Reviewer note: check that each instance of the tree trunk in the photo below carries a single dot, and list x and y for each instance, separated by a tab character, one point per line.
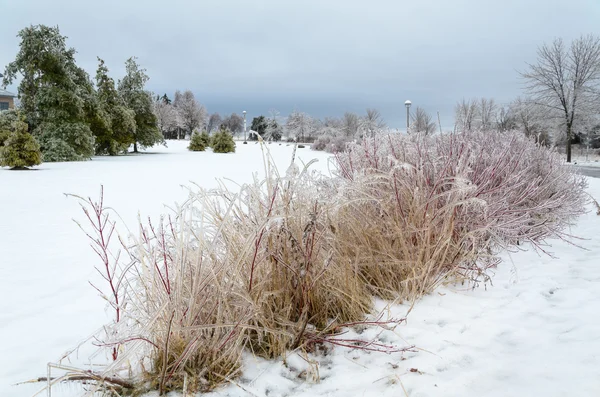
569	133
135	147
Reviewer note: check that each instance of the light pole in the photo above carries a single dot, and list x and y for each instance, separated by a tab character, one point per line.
244	112
407	104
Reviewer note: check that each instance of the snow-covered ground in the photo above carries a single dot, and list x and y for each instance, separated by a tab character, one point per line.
535	332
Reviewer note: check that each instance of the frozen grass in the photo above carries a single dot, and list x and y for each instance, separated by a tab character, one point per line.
255	267
445	205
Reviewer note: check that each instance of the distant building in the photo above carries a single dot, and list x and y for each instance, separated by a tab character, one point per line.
7	100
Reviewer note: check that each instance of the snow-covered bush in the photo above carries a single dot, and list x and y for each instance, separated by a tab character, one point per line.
330	144
321	143
197	143
222	142
420	208
18	149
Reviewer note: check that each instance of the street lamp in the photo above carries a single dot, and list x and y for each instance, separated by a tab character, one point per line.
407	104
244	112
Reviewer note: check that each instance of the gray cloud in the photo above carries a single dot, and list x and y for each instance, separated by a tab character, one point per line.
319	56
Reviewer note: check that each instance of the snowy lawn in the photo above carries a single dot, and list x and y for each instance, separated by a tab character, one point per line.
535	332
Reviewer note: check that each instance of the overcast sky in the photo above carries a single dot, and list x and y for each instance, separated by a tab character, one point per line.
322	57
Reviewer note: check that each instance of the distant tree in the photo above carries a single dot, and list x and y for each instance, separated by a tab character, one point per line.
260	125
120	128
274	131
196	143
166	118
56	95
165	99
371	123
422	122
350	125
566	80
465	113
332	122
532	119
505	119
132	90
18	149
486	111
222	141
233	123
214	122
192	115
299	125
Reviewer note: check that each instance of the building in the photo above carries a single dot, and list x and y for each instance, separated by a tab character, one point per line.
7	100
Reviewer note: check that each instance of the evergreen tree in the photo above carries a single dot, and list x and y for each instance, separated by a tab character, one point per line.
18	149
53	94
222	142
260	125
205	138
8	120
121	120
197	143
132	89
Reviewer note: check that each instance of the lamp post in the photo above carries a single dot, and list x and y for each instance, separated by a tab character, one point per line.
407	104
244	112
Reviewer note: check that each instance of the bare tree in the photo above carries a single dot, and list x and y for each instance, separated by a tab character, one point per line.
505	119
166	117
332	122
214	122
371	123
532	119
465	112
299	125
350	124
192	115
486	110
422	122
233	123
566	80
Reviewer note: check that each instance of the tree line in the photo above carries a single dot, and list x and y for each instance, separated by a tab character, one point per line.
70	115
67	115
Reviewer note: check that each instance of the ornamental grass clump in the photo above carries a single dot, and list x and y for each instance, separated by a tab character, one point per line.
421	209
278	234
178	317
255	267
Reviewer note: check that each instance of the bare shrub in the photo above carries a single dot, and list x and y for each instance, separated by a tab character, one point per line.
337	144
330	144
321	143
419	209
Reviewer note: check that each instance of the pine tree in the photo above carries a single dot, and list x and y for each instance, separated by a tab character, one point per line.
121	120
132	89
56	99
205	138
18	149
222	142
197	143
